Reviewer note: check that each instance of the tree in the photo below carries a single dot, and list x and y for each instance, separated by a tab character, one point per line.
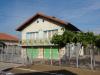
66	38
57	40
97	41
87	39
77	39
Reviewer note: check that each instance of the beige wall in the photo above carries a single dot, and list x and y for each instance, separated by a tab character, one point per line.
41	26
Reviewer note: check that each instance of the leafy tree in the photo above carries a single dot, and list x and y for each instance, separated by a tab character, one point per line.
97	41
57	40
87	39
68	36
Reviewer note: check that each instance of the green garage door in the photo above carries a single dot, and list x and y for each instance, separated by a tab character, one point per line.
32	52
47	53
55	53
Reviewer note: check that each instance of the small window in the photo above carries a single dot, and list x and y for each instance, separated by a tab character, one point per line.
43	20
37	21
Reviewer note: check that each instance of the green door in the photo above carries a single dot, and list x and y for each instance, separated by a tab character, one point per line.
32	52
55	53
47	53
29	52
35	53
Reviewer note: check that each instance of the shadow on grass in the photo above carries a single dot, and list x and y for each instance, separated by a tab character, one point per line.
54	72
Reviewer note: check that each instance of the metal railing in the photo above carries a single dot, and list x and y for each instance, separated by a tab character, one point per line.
30	42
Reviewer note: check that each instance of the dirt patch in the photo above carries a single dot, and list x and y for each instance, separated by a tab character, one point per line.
49	69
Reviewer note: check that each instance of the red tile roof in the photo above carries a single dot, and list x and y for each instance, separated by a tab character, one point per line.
7	37
50	18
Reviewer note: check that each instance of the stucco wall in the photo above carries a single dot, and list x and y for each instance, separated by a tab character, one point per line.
41	26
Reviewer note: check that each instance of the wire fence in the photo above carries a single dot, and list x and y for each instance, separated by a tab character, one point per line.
13	54
90	59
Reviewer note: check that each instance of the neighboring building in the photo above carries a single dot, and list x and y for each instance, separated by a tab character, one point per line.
36	35
7	40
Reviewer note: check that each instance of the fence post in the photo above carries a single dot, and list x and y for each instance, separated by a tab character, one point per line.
51	55
76	49
91	56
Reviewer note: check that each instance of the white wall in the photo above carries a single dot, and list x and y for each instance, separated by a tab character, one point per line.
41	26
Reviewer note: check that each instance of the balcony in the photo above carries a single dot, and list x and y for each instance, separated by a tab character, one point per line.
36	42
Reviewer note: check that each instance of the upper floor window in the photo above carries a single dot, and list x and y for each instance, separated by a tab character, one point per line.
32	35
37	21
54	31
50	33
42	20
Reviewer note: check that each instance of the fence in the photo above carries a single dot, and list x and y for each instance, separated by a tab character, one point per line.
90	60
13	54
10	54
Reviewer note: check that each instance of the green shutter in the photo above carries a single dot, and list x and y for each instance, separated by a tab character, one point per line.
29	52
32	52
55	53
47	53
35	52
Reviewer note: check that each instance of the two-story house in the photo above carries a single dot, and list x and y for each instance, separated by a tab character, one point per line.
37	32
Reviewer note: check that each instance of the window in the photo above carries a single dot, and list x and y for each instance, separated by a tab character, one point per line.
54	32
28	36
43	20
32	35
45	34
50	33
37	21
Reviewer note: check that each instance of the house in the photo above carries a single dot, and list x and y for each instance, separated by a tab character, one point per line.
36	34
7	40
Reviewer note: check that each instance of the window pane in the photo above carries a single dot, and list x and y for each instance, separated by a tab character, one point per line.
45	34
28	36
36	35
33	35
49	34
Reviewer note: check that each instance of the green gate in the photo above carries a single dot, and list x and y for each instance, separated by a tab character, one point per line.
32	52
55	53
51	53
47	53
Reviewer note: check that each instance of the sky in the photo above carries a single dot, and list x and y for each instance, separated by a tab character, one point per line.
84	14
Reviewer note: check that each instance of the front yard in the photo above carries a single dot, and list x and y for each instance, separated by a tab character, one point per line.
49	70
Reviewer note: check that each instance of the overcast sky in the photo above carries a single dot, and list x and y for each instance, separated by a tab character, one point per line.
84	14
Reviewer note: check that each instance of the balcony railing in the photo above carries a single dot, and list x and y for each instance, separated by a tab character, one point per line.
36	42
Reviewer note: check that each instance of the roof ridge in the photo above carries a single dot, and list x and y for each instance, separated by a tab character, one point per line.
54	19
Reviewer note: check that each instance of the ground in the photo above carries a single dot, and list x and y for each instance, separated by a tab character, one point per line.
8	65
49	70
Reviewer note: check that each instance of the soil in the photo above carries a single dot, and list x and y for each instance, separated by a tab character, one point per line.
49	70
